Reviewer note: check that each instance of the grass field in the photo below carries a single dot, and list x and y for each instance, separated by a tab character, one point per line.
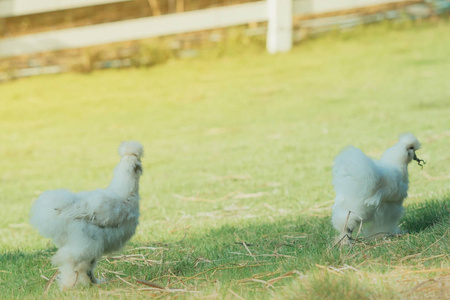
236	194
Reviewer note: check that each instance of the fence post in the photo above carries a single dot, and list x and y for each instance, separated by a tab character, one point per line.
279	33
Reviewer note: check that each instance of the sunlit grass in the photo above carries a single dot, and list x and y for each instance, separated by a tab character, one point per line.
237	187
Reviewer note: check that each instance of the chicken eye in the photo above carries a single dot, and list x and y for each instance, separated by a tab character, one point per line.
411	148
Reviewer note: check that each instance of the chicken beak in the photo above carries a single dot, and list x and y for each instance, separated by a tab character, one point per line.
138	168
419	161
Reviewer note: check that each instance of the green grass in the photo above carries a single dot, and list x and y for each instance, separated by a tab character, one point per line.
239	151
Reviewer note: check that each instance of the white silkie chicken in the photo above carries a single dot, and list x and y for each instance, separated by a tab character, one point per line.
372	191
86	225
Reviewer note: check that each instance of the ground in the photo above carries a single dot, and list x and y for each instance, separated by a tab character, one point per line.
236	192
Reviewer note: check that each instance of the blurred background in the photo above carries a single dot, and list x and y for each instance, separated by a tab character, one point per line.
54	36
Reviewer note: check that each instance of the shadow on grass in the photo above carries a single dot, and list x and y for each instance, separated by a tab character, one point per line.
424	215
20	272
231	253
290	243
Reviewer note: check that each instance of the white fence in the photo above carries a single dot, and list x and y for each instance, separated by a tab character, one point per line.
9	8
277	12
134	29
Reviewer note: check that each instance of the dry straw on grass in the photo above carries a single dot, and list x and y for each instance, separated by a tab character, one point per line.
50	282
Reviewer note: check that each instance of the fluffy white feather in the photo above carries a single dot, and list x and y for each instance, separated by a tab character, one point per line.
373	190
86	225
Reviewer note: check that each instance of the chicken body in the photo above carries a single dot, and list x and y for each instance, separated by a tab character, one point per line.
86	225
372	191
